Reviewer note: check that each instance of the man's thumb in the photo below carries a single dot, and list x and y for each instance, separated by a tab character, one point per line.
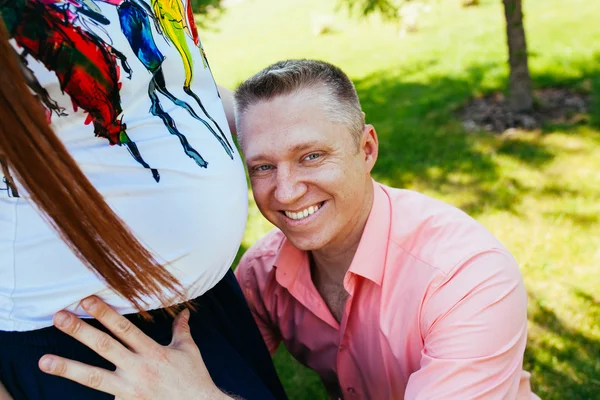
181	329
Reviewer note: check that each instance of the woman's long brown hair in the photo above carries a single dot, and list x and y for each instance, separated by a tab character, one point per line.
66	198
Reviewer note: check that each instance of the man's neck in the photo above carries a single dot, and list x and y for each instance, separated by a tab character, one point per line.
334	265
333	261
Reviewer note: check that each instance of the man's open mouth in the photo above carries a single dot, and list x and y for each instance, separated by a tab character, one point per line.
298	215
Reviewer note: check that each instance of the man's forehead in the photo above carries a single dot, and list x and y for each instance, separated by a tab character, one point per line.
289	104
281	115
296	136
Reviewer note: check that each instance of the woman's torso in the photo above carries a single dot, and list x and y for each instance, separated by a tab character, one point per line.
127	89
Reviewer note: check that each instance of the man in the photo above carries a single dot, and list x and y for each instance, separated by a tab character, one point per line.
385	293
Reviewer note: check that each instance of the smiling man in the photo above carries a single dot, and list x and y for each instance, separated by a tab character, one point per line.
385	293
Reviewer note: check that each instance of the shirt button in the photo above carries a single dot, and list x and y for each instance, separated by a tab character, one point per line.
351	390
342	347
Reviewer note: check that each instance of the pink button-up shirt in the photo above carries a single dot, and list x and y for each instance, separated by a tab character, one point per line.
437	307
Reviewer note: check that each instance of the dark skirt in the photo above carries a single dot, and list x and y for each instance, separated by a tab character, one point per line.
221	325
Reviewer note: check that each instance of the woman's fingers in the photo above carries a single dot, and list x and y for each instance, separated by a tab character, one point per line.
148	370
182	335
4	395
92	377
120	326
101	342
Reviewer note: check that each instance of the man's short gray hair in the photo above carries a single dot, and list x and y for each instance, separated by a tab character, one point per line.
286	77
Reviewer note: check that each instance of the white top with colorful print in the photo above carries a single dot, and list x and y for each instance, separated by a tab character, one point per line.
127	87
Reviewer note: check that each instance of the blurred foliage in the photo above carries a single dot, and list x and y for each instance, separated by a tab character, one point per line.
387	8
207	12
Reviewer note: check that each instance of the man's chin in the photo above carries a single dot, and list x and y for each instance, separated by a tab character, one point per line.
303	243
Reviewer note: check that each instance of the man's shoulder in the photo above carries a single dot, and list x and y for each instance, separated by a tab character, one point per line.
411	201
435	245
413	210
437	233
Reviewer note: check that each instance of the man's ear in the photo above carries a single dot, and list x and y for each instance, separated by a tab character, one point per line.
369	144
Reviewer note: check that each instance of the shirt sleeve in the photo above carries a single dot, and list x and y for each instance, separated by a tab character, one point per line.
254	284
474	330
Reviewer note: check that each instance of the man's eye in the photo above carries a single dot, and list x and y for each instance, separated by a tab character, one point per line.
262	168
312	156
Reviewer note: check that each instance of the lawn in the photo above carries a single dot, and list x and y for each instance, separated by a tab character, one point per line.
538	192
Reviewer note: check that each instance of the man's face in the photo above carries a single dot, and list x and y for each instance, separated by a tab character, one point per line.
309	177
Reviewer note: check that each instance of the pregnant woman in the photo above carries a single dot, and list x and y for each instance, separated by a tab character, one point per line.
119	179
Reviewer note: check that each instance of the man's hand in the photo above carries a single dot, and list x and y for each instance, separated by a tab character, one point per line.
145	369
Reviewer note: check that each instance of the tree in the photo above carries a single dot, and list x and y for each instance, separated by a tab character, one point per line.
520	93
520	98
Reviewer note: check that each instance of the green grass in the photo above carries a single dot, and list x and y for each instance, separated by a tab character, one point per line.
538	192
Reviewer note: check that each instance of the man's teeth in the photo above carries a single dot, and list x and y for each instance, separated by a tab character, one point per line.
302	214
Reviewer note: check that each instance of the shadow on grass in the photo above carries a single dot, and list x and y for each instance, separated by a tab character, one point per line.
587	82
529	153
579	219
565	363
424	145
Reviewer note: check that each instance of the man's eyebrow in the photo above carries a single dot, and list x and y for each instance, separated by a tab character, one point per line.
301	147
297	148
253	159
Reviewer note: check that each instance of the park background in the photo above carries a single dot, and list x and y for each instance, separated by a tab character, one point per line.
433	82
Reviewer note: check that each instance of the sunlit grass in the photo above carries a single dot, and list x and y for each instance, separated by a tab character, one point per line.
538	192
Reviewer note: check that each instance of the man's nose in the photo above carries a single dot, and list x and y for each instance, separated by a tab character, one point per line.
289	187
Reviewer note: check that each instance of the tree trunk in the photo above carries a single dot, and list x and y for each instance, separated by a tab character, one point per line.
520	95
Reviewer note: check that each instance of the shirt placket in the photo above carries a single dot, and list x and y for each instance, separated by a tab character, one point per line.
347	377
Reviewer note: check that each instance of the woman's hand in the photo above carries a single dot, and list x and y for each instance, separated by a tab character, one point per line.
4	395
145	369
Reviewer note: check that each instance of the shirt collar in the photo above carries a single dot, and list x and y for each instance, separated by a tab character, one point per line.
369	260
289	263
